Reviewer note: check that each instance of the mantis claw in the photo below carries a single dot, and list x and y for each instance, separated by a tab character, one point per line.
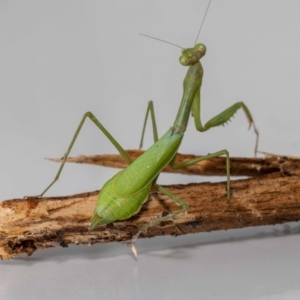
131	244
134	250
33	197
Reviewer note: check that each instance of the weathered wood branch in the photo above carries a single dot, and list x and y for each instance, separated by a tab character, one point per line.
239	166
30	224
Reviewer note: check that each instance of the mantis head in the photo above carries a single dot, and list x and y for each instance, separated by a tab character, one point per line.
191	56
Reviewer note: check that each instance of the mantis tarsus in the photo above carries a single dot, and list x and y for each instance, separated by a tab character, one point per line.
124	194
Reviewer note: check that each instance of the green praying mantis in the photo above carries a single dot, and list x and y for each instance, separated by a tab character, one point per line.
123	195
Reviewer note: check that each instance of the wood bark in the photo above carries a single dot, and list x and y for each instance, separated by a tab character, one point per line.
27	225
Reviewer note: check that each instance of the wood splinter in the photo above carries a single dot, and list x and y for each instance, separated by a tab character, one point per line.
239	166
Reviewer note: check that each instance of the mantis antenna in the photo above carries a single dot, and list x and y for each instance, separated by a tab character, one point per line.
152	37
202	22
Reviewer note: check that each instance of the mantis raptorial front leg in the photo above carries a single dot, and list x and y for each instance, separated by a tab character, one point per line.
222	118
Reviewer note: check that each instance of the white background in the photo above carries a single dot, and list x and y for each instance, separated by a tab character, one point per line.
59	59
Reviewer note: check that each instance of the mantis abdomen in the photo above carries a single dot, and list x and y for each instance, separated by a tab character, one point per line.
119	198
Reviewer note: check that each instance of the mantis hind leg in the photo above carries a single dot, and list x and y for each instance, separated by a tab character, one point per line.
106	133
183	204
150	109
209	156
184	208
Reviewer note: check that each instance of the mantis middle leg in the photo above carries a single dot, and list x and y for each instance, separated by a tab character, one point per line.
150	109
209	156
106	133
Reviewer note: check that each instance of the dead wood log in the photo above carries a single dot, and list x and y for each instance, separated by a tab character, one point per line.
30	224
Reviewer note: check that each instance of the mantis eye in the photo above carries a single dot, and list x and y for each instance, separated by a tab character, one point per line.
200	48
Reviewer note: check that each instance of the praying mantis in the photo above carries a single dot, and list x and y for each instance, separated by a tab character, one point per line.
123	195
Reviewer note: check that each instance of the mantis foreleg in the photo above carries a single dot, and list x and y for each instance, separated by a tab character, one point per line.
222	117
